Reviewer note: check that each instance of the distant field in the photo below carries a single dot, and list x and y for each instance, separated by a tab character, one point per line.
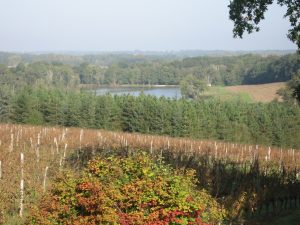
219	92
259	92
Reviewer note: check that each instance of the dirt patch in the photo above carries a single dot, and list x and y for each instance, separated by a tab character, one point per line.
259	92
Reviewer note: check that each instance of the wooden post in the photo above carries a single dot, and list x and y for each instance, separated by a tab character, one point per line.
37	152
0	169
151	147
56	145
11	147
22	186
45	177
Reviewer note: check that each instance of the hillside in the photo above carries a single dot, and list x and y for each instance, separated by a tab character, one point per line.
259	92
236	174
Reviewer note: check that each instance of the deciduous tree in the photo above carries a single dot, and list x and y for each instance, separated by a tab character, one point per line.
247	14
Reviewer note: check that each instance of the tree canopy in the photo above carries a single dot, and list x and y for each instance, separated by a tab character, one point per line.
221	70
247	15
191	87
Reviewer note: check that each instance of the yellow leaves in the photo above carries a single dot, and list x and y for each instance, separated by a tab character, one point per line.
140	192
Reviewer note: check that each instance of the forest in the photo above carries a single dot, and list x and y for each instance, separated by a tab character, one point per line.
237	121
63	149
69	71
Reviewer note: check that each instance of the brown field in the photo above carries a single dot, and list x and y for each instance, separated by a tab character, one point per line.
259	92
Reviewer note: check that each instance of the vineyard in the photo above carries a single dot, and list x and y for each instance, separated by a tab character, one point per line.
247	180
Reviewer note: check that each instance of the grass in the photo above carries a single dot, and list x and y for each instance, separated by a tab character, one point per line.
219	92
245	93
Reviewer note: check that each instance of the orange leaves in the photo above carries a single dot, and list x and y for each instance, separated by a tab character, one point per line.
127	197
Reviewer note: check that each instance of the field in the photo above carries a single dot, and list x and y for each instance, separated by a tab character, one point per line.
259	92
222	93
31	156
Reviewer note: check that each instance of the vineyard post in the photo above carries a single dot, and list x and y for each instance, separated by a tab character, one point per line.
216	150
37	152
242	154
38	147
56	144
63	135
11	147
151	147
39	139
22	186
45	177
80	139
17	141
31	144
0	169
294	155
63	157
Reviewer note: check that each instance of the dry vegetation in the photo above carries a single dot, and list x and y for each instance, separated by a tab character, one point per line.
259	92
46	150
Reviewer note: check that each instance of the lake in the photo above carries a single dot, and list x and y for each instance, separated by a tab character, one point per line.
158	91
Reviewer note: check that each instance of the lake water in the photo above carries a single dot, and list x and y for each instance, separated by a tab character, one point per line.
166	91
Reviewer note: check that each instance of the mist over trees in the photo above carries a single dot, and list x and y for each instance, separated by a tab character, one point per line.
225	70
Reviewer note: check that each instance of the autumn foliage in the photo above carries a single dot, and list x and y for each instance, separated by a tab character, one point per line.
127	190
249	181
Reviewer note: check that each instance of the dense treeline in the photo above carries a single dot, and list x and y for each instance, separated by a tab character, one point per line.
76	58
229	70
269	124
109	58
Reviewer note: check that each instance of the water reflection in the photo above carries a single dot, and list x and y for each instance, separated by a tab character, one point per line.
166	91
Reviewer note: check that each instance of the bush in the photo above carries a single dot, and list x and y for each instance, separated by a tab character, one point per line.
130	190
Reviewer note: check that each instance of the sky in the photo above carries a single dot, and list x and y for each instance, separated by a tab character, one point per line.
129	25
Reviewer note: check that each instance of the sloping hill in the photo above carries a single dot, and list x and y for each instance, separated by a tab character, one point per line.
259	92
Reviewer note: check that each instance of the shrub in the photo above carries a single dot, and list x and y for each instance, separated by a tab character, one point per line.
130	190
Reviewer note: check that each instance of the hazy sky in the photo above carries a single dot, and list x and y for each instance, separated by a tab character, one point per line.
113	25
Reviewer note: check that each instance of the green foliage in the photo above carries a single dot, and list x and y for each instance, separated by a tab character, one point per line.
233	120
131	190
27	108
191	87
294	85
292	92
6	95
246	16
225	70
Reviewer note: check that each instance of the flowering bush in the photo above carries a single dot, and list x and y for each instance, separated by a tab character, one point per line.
131	190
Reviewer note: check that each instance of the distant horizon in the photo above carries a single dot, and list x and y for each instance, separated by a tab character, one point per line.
144	51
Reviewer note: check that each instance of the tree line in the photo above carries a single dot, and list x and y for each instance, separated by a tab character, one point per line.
224	70
269	124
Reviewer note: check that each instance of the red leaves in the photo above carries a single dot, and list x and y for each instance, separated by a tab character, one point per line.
141	192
